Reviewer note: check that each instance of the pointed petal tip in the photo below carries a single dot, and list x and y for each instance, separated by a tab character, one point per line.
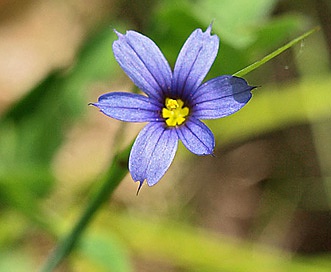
209	28
93	104
149	182
244	81
254	87
119	35
139	187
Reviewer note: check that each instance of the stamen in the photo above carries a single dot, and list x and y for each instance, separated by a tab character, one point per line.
174	113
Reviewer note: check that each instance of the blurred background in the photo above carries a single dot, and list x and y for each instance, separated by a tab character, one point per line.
261	204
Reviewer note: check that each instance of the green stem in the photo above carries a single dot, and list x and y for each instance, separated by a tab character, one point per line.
275	53
116	172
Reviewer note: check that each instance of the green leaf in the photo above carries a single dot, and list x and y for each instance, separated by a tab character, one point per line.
234	21
22	190
275	31
40	119
172	19
177	20
15	261
35	126
104	251
194	248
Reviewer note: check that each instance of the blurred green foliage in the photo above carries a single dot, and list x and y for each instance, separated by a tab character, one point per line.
34	128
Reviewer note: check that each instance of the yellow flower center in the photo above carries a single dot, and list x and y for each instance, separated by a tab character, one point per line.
174	113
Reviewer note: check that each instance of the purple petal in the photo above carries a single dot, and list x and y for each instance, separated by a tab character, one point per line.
143	62
129	107
194	61
197	137
152	153
220	97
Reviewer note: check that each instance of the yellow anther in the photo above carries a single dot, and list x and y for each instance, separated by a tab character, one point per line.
174	113
172	104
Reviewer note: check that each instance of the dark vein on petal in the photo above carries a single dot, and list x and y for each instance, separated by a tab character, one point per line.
154	127
152	154
214	99
190	71
195	134
151	73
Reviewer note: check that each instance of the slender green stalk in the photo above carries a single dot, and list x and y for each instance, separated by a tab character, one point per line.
275	53
115	174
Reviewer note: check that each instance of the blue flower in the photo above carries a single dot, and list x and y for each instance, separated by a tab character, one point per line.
175	101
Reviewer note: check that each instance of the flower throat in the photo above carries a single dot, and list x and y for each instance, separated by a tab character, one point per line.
174	112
